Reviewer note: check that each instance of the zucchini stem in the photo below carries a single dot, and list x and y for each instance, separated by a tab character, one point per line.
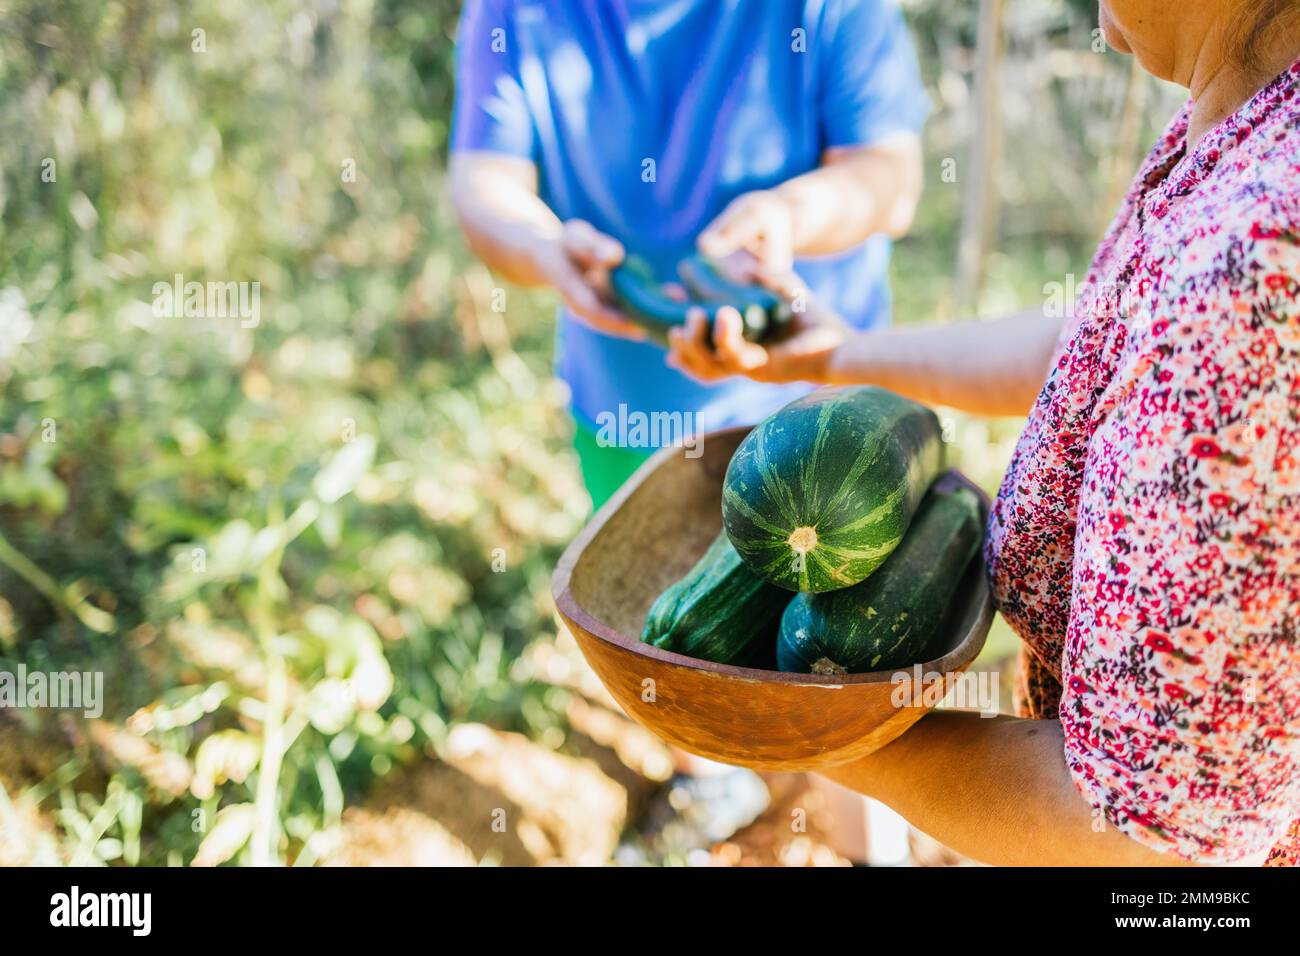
803	539
826	666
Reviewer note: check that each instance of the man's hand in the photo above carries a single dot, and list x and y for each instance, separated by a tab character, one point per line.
760	223
856	192
801	354
517	235
577	264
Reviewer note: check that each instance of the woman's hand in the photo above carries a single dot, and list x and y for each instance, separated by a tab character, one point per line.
801	354
577	263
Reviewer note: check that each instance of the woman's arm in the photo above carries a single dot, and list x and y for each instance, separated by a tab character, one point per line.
857	192
992	367
985	368
996	790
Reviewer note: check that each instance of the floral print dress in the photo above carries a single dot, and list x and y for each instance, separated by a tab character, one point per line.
1145	543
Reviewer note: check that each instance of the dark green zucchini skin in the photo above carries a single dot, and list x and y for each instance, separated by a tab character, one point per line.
642	299
720	611
893	618
763	312
820	493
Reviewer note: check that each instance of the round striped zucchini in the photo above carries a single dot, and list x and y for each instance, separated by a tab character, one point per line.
819	495
893	618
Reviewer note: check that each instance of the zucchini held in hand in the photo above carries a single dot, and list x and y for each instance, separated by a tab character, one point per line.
819	495
720	611
642	299
763	313
891	619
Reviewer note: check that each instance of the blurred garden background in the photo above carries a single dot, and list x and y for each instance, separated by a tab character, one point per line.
312	557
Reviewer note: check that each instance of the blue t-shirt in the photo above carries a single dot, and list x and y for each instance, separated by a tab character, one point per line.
725	97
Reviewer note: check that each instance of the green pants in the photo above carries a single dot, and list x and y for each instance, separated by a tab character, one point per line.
605	467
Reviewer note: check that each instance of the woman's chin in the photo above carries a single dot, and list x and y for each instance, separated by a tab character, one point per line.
1112	34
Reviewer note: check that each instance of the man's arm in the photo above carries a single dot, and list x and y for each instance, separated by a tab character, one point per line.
516	234
504	221
857	192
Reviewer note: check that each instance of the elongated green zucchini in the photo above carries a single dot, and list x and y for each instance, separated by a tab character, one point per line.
642	298
893	618
763	312
720	611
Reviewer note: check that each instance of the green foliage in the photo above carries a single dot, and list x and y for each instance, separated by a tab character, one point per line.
319	541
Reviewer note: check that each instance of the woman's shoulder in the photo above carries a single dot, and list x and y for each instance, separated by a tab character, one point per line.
1247	171
1262	194
1235	232
1215	307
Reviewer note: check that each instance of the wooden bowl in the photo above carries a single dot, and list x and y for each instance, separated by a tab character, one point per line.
647	537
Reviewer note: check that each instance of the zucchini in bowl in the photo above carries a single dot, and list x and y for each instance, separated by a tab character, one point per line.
893	618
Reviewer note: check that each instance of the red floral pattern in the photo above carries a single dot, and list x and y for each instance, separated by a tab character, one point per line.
1146	540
